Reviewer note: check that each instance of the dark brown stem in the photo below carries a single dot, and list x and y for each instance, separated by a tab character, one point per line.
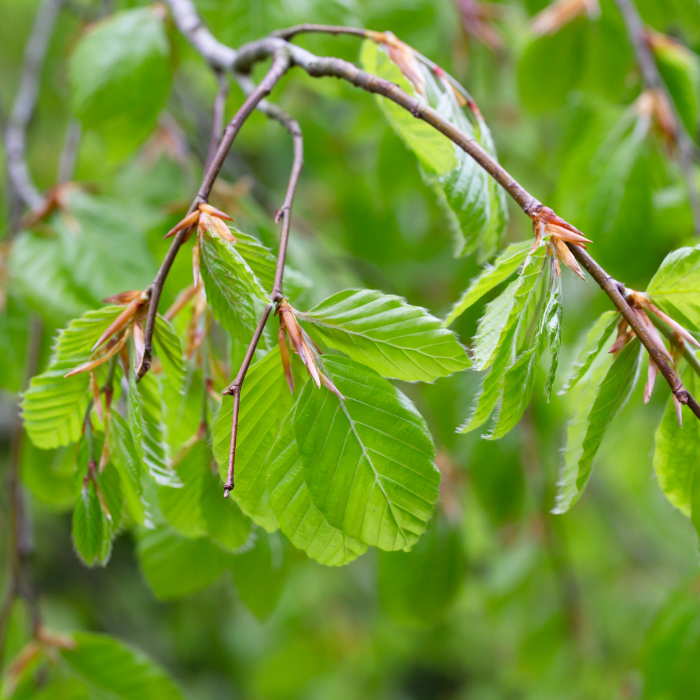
21	575
652	79
235	391
256	51
291	32
280	65
688	354
615	290
217	128
285	212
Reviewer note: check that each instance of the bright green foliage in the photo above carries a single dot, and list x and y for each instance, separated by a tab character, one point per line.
518	381
595	341
419	586
298	517
475	207
126	460
198	508
99	248
368	460
261	571
434	151
120	75
608	389
232	286
677	455
53	408
169	350
676	286
385	333
505	311
265	401
175	566
92	531
148	429
111	669
503	267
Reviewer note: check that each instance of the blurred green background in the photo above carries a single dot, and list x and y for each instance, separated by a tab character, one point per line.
514	602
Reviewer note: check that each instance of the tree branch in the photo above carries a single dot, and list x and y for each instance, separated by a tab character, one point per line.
20	178
21	576
235	391
652	79
318	67
280	65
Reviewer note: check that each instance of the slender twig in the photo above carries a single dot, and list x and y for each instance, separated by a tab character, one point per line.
315	66
217	128
21	576
69	154
285	213
291	32
280	65
235	391
20	178
652	79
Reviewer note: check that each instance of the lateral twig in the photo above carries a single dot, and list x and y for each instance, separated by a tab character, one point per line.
243	60
217	128
285	214
652	79
280	65
25	192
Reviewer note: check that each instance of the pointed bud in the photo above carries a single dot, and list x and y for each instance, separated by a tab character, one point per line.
679	410
213	211
645	303
196	271
122	298
567	257
188	221
284	354
90	365
651	378
96	395
330	386
402	55
121	320
139	344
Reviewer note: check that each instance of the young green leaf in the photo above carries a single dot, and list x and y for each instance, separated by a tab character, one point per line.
54	406
182	507
168	349
518	381
504	312
368	460
385	333
676	286
596	338
126	460
299	519
418	587
434	151
596	406
92	530
503	267
148	429
232	286
265	401
223	519
677	455
261	571
112	669
175	566
120	75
